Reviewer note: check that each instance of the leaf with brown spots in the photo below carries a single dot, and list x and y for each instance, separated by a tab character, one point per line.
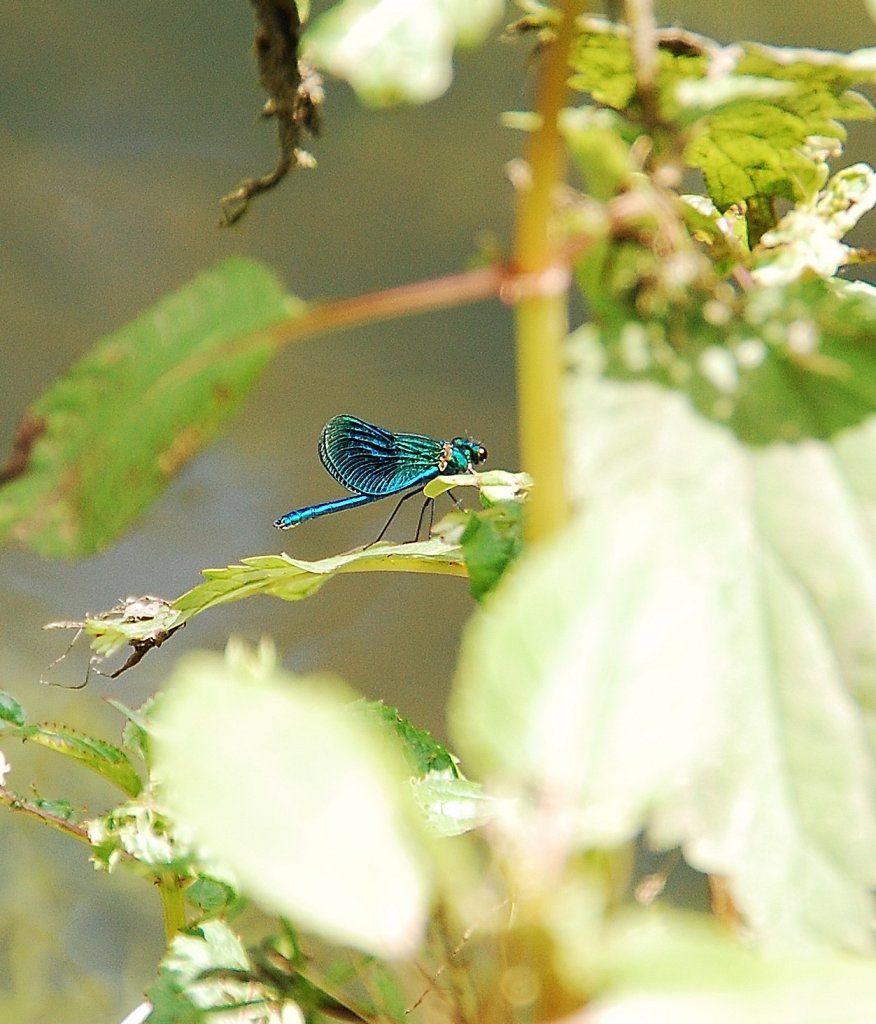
104	440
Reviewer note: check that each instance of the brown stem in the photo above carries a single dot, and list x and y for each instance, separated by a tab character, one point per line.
406	300
643	42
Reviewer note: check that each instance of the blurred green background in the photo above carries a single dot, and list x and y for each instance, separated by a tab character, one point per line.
122	125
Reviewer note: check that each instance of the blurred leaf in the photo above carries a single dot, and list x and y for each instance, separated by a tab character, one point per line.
599	141
602	64
143	831
10	709
105	439
686	658
423	753
682	969
101	757
185	993
61	808
752	111
395	51
211	896
135	732
808	238
775	364
302	799
451	805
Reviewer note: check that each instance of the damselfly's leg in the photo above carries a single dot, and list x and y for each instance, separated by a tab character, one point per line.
430	504
386	525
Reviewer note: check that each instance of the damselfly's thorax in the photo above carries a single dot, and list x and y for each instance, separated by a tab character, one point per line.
460	454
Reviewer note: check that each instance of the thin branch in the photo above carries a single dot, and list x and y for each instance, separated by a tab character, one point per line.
643	32
55	821
390	303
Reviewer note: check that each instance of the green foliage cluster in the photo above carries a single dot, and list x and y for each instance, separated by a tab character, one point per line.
687	661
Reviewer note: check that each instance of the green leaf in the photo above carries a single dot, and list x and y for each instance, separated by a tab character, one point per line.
776	364
287	784
210	896
104	440
10	709
423	754
60	808
450	804
809	237
101	757
492	540
395	51
143	623
185	992
143	831
689	656
602	62
293	579
753	112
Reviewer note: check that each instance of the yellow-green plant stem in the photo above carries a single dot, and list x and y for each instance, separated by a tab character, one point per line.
173	903
542	311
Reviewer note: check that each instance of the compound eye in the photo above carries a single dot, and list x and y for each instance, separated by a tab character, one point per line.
480	454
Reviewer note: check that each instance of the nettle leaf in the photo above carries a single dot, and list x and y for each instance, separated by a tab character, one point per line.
757	116
696	657
491	541
293	579
298	795
809	236
141	831
450	804
197	977
10	710
393	51
107	760
424	754
602	62
143	623
782	363
106	438
666	968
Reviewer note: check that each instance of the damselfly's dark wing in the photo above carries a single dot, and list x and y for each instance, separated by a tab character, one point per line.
370	460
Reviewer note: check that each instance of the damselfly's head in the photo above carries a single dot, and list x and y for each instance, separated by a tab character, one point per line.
467	454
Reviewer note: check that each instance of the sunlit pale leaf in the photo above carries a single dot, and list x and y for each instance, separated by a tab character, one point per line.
809	237
106	438
288	784
782	363
203	978
697	656
682	969
396	51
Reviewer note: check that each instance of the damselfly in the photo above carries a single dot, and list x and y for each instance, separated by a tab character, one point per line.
375	463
